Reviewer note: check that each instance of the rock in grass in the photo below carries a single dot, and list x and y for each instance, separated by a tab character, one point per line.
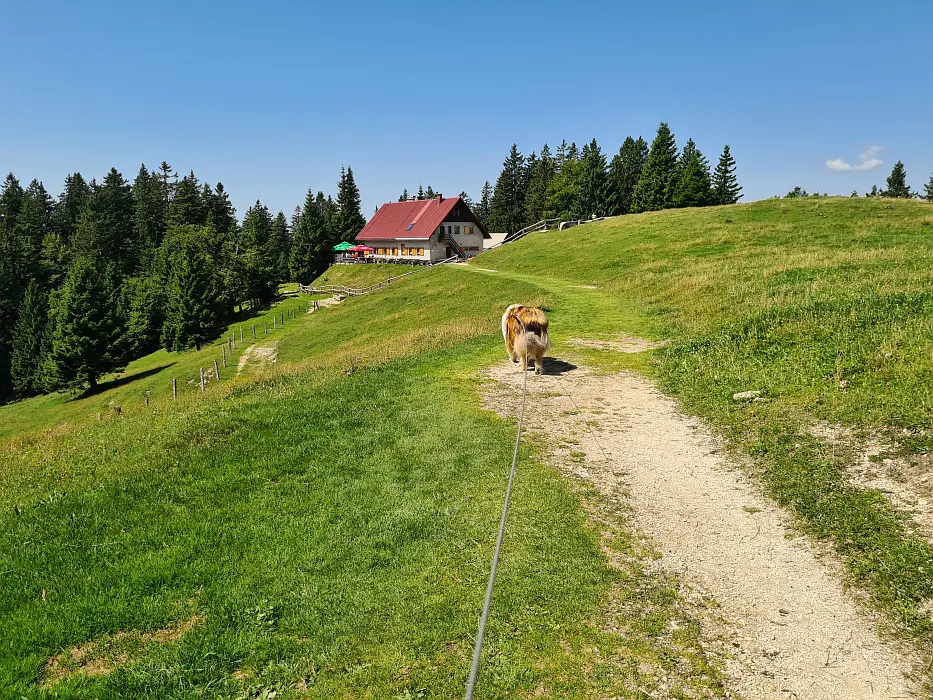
746	395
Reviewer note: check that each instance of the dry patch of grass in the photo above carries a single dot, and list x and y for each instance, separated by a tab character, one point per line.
104	655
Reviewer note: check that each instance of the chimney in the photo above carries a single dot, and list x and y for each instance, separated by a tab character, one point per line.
439	197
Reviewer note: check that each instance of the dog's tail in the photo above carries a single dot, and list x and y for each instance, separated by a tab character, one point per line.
537	344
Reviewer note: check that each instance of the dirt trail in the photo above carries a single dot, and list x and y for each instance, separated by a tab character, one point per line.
259	354
790	629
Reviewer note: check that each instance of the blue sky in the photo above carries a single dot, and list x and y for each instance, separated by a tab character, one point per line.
273	98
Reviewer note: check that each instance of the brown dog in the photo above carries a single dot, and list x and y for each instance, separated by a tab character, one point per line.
524	330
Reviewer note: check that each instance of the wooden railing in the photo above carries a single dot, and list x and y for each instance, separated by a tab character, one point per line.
341	290
543	225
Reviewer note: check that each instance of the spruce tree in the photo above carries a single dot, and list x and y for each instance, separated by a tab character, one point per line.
624	172
186	207
89	336
303	262
12	271
30	343
875	192
654	188
694	187
897	182
928	190
420	194
351	220
404	196
506	210
466	199
254	246
73	200
540	176
150	213
221	215
562	190
194	304
429	192
485	203
279	248
34	224
591	193
726	189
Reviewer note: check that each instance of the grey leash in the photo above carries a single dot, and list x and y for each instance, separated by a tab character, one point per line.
478	650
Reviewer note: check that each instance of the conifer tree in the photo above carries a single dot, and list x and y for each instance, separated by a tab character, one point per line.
33	224
30	343
254	246
591	194
404	196
562	190
928	190
279	248
726	189
466	199
351	220
186	207
221	215
420	194
875	192
694	187
89	336
507	208
429	192
624	172
72	202
106	225
485	203
12	271
541	173
654	188
194	304
897	182
303	261
150	212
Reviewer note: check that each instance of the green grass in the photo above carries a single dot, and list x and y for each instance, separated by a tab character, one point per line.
331	520
331	526
825	307
150	375
362	275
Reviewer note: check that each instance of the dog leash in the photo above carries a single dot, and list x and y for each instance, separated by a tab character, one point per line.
481	633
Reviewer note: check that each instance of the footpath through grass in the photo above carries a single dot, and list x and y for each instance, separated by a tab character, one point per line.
327	532
825	306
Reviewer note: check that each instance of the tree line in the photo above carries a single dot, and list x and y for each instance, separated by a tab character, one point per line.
897	187
578	183
111	271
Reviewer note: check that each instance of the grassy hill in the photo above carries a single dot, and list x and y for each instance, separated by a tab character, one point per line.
324	528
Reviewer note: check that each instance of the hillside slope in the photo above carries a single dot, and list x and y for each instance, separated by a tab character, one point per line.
326	524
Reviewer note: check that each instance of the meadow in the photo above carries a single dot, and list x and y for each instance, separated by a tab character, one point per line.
323	528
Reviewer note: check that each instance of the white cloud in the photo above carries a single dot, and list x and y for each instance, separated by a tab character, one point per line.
866	161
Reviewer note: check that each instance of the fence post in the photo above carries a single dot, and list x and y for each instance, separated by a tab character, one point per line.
254	331
265	328
216	370
241	334
274	322
147	400
202	379
174	389
224	349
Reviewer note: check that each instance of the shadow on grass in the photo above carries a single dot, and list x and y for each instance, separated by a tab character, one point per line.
122	381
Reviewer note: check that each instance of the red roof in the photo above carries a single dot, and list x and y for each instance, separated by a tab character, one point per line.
416	218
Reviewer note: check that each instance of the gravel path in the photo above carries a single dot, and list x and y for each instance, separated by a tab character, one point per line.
787	627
